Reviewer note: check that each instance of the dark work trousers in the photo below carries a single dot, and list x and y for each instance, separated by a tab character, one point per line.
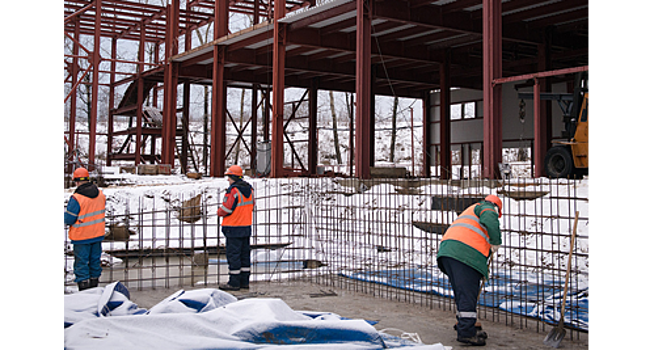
465	283
87	261
238	258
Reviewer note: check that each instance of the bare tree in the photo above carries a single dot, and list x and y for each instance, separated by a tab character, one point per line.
339	160
393	128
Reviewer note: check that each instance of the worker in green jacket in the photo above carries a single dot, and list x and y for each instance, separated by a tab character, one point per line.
463	256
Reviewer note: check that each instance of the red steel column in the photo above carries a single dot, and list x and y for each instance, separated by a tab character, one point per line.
139	121
112	88
540	132
219	92
169	128
140	98
492	62
95	83
279	61
363	50
73	96
313	127
542	111
427	157
445	120
166	88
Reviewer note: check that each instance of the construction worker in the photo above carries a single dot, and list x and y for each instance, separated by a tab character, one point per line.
236	210
85	215
463	256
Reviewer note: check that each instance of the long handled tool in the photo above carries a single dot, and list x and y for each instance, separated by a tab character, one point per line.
557	333
483	281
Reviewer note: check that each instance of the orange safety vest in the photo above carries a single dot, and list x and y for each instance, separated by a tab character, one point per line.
90	220
242	215
468	230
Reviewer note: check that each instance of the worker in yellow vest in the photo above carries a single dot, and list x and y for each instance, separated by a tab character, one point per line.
236	210
463	256
85	215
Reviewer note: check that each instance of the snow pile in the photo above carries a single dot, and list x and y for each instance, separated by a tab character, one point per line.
104	318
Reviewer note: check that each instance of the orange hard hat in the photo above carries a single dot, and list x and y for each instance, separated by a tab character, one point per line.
495	200
81	174
234	170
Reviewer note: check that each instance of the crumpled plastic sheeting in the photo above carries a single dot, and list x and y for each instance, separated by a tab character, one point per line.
194	301
211	319
95	302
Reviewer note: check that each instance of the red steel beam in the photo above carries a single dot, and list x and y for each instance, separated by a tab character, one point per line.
492	63
78	12
536	75
279	61
363	90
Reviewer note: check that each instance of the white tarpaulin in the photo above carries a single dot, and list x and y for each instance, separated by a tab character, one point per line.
105	318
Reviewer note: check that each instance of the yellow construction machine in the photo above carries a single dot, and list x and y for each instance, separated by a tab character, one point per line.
568	157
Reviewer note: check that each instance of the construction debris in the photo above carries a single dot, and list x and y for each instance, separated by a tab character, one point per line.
191	210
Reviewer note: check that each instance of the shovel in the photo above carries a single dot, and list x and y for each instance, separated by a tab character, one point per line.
557	333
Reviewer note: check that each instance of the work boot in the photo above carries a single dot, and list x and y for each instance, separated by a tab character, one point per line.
480	333
85	284
94	281
474	341
227	287
245	280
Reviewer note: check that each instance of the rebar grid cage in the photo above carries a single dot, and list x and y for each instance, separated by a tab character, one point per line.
379	236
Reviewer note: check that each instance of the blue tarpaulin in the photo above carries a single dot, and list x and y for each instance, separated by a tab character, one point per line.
526	294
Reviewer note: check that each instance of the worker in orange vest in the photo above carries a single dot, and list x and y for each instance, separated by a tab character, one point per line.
85	215
236	210
463	256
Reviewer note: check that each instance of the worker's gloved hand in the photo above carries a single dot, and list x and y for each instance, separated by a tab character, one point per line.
495	248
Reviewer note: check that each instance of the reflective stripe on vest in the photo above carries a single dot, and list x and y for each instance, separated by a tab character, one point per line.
468	230
91	218
242	214
80	219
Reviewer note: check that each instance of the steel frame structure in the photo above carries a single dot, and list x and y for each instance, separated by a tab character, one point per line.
400	48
